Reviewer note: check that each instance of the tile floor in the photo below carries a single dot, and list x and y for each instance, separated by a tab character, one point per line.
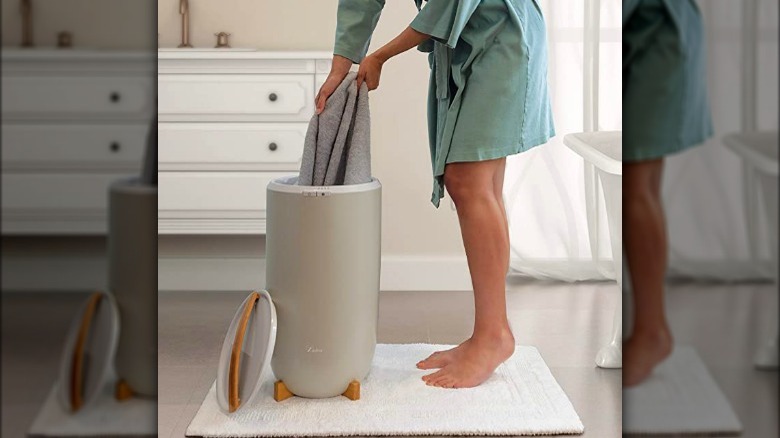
547	315
567	323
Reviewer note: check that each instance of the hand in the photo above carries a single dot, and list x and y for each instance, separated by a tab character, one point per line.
370	71
338	71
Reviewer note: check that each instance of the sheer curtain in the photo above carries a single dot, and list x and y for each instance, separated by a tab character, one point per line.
704	188
544	187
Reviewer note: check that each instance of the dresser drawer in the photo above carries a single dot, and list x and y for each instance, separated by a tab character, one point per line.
249	97
56	203
56	193
230	146
27	146
210	195
64	97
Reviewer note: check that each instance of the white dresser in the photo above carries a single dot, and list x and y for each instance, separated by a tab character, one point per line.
73	121
229	122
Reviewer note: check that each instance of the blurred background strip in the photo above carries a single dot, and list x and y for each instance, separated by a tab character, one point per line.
79	244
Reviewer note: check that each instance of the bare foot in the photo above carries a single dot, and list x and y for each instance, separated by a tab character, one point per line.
474	362
642	352
440	359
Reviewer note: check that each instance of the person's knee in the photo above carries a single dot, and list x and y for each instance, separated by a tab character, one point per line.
463	186
642	181
641	201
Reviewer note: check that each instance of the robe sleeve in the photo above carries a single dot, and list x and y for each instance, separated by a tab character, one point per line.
444	20
355	24
628	8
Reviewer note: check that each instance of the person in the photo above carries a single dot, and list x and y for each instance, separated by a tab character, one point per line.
665	110
487	99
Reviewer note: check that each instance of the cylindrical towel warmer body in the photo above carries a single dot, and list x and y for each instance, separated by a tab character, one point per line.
132	249
322	271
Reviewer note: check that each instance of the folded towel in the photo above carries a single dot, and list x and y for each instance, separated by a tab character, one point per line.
337	148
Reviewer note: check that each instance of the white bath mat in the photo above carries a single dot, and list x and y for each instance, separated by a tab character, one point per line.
522	398
679	398
106	417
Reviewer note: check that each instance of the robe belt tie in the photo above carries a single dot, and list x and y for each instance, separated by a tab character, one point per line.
442	69
441	62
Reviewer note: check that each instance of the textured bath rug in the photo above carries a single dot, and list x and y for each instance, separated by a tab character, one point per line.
522	398
105	417
679	398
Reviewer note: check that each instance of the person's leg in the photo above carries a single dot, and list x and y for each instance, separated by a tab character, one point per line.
498	192
483	228
645	242
441	358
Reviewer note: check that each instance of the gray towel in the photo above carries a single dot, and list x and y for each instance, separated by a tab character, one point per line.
337	149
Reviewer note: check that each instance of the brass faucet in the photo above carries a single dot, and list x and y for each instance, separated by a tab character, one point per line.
27	31
184	10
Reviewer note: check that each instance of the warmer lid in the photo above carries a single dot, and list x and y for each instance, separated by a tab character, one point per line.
247	351
88	357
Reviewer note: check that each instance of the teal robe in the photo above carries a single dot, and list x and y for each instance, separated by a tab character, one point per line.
488	96
665	101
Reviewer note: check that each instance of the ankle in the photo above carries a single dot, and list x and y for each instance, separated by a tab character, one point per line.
658	334
494	335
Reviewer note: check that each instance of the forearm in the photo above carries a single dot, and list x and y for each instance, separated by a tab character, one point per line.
340	65
408	39
355	23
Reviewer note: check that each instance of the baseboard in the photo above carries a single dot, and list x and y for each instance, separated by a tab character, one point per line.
400	273
429	273
218	274
227	274
80	273
210	274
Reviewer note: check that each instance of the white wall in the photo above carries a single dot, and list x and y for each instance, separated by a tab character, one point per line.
106	24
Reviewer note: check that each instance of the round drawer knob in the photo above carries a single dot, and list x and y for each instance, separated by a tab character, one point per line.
115	97
273	146
273	97
115	146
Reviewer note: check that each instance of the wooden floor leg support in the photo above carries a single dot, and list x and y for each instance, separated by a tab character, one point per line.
353	391
123	391
281	393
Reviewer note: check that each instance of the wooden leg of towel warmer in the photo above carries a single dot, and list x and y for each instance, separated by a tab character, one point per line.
123	391
281	393
353	391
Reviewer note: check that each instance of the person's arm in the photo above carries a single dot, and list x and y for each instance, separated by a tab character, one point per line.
355	23
371	67
441	20
444	20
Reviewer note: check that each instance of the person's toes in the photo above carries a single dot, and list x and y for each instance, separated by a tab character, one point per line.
427	378
425	363
436	360
433	377
444	378
440	382
446	382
